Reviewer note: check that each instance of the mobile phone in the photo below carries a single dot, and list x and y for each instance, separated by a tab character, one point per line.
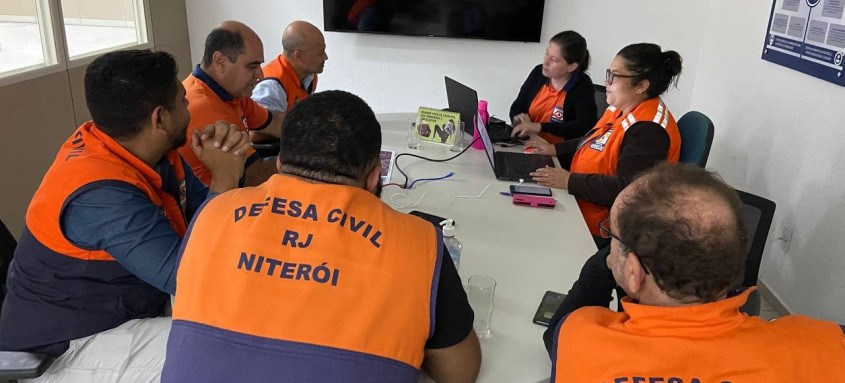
548	306
533	200
531	190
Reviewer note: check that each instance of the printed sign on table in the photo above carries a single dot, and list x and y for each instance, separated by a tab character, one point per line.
438	126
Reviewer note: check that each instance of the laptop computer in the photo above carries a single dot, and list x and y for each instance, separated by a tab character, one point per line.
510	166
464	100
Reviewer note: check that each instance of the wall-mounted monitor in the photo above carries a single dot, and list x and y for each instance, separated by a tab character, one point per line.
506	20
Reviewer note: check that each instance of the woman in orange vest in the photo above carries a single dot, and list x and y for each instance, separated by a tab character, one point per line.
557	100
636	132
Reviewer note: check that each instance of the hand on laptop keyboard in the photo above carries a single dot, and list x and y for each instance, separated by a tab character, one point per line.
540	147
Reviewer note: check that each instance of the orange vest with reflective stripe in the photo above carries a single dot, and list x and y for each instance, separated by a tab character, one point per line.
90	155
318	264
282	72
598	153
548	103
702	343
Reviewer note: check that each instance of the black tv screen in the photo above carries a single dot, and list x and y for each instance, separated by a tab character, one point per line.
507	20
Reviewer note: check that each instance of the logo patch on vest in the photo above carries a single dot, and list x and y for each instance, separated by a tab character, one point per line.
598	144
557	114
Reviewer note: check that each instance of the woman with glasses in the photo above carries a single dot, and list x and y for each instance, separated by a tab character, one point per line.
557	100
636	132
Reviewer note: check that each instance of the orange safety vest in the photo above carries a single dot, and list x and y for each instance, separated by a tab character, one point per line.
703	343
57	291
209	103
548	103
90	155
282	72
598	153
292	263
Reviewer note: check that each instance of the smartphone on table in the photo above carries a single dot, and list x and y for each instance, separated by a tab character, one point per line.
548	306
531	190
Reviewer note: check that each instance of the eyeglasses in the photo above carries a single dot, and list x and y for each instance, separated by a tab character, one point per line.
609	76
606	233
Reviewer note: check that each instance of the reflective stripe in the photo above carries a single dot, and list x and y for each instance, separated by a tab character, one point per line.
659	115
662	115
628	121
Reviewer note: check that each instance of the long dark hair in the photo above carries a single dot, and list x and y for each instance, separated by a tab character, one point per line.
647	61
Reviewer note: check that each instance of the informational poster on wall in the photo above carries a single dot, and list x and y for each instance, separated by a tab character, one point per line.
808	36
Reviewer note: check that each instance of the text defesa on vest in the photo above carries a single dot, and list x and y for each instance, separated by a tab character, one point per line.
293	208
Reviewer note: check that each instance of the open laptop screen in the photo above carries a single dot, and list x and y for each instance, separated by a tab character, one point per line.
488	145
462	99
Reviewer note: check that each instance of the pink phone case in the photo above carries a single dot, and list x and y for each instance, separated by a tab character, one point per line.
533	200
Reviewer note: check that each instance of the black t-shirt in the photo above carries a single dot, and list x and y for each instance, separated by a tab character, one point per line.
452	314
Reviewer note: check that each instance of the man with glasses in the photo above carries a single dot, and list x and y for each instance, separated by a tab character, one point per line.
292	75
677	246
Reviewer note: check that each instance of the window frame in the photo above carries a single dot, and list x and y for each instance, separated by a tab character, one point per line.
145	27
50	12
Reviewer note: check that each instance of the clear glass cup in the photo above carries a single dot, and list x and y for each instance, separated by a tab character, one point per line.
480	291
413	135
458	145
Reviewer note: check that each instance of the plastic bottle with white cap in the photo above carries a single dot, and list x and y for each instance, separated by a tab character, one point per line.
452	244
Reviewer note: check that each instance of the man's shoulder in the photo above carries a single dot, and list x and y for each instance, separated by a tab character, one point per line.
601	316
206	108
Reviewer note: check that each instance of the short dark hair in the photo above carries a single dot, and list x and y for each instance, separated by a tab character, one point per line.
330	135
648	62
573	48
688	257
228	42
122	88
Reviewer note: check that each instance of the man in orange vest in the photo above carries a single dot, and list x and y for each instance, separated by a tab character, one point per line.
96	263
292	75
218	90
310	277
677	248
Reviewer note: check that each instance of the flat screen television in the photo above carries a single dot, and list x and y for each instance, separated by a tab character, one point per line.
506	20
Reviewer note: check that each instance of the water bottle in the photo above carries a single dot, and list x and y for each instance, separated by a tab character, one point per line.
485	118
452	244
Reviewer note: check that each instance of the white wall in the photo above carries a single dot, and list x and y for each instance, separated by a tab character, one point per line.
401	73
778	132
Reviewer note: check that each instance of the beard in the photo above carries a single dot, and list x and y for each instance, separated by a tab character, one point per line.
179	139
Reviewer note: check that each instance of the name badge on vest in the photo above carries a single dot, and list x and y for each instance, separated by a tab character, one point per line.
598	145
557	114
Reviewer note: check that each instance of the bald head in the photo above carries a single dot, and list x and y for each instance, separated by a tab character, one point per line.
233	56
239	28
304	47
231	38
300	35
685	224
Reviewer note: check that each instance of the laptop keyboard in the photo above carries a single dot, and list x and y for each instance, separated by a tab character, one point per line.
519	164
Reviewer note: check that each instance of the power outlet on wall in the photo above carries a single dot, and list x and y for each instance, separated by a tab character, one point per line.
785	239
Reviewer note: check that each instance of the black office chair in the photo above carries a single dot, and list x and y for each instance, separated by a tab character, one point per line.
696	137
267	148
757	213
15	364
601	99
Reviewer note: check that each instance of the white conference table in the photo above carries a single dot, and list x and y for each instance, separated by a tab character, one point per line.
526	250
